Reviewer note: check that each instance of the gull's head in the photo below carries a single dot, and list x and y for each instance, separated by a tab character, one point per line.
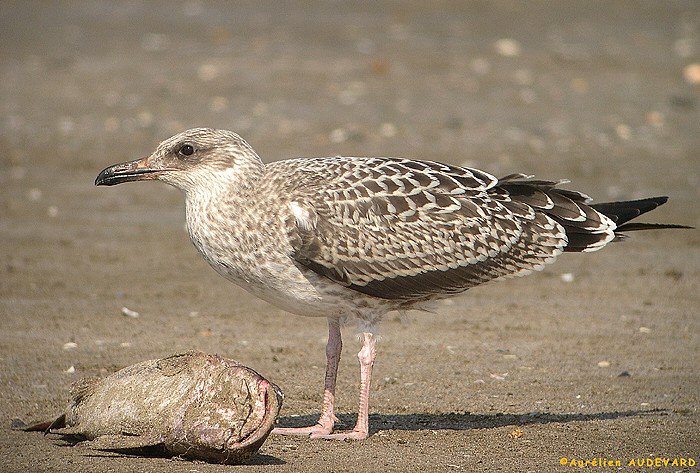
196	157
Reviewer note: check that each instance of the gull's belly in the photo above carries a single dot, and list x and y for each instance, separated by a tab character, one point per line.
286	286
263	267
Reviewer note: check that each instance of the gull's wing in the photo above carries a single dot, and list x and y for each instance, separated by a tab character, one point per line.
404	229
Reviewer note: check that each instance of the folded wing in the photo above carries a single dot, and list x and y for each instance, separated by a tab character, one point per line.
409	230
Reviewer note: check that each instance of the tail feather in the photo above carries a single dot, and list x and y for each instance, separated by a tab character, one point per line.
45	427
634	226
588	227
624	211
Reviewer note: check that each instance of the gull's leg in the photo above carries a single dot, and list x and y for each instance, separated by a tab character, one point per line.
366	357
325	423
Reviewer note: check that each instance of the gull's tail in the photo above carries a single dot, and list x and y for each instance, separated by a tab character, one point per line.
588	226
624	211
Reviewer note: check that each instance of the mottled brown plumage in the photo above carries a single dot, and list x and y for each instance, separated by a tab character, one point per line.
343	237
411	230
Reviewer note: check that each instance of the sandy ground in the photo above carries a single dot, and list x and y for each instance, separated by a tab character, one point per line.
599	93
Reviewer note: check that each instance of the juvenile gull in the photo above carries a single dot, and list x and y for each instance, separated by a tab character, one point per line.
354	238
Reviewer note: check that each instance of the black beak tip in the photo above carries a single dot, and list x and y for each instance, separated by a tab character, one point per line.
102	177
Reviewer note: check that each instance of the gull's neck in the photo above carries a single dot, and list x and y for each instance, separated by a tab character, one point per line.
221	209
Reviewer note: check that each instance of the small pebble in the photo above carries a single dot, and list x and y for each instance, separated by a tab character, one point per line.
70	370
194	314
578	396
125	344
339	135
579	85
516	433
603	364
624	374
567	277
507	47
34	194
644	330
66	125
52	211
624	132
207	72
644	404
655	118
70	345
130	313
145	119
499	377
387	130
691	73
218	104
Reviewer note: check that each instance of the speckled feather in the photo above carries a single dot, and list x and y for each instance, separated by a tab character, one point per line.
411	230
358	237
354	238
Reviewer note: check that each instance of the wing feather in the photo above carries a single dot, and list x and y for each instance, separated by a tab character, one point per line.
404	229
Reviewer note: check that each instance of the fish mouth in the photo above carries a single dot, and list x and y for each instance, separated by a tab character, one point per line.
138	170
273	398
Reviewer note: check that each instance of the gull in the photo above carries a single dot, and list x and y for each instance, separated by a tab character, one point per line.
353	238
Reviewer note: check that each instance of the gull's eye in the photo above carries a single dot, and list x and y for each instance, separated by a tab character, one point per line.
186	150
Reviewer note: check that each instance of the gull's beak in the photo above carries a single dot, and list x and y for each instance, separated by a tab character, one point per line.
138	170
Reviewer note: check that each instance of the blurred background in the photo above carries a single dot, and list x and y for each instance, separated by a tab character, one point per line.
592	90
605	94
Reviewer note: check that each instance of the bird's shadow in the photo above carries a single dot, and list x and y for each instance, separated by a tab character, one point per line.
465	420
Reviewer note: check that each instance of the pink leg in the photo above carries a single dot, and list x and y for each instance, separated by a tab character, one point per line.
366	356
327	420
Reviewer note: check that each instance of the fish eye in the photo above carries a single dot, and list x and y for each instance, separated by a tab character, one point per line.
186	150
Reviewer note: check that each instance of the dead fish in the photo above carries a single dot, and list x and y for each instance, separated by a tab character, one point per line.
192	405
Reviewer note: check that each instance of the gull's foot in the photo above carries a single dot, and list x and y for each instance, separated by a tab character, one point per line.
312	430
352	435
323	427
